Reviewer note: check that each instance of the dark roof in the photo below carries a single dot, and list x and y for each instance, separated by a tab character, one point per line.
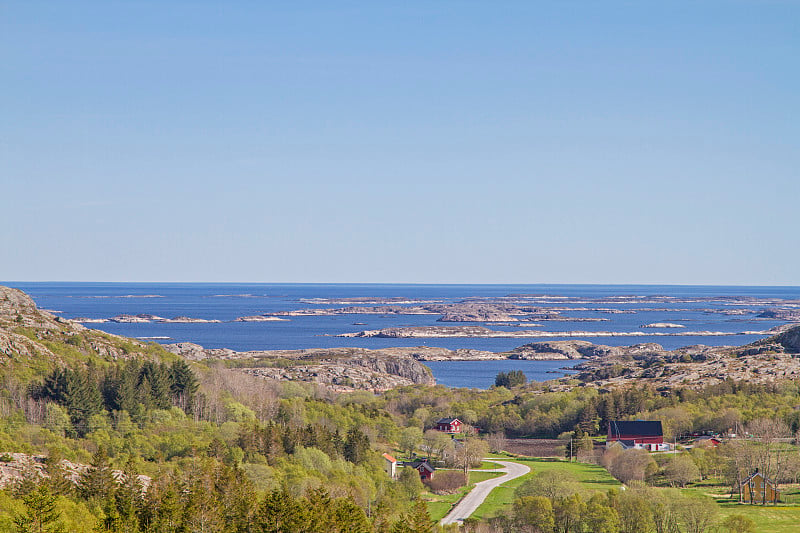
417	464
446	420
641	428
759	474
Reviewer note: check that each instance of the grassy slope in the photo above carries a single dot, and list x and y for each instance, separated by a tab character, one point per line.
440	505
592	477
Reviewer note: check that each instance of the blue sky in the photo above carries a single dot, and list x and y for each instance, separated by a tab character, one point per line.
463	142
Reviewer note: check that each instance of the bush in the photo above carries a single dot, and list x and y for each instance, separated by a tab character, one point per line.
446	482
628	465
513	378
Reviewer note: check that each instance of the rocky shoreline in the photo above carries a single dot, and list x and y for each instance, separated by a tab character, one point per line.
341	369
768	360
24	329
483	332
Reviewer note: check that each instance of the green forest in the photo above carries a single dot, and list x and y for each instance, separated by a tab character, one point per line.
149	442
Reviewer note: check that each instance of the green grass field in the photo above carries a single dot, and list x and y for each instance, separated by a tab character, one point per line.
781	518
769	519
440	505
591	477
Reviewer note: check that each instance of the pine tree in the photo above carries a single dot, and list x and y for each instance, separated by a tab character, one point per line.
126	396
97	482
347	517
416	521
279	512
588	418
41	514
183	384
356	446
77	391
160	385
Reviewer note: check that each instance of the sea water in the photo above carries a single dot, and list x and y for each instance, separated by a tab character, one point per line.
227	301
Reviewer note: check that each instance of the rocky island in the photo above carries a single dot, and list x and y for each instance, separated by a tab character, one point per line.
483	332
765	361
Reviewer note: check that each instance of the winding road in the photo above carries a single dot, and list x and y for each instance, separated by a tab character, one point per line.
477	495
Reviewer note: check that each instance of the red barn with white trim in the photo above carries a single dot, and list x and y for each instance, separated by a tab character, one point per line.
638	432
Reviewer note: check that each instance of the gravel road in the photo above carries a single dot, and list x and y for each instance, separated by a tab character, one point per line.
471	501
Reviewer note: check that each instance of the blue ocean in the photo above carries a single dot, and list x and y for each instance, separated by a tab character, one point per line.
692	307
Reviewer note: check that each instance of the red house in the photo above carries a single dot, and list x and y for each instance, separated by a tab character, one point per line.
636	434
424	468
449	425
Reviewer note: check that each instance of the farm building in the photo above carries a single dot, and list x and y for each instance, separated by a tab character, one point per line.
449	425
390	465
758	489
644	434
423	467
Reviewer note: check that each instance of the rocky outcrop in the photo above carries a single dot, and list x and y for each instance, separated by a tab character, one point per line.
791	315
188	320
558	350
15	467
144	318
423	331
134	319
768	360
482	332
461	354
340	368
662	325
359	310
195	352
260	318
579	350
28	333
404	367
789	340
475	313
17	309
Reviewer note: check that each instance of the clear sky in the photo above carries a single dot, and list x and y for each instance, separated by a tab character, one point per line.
443	142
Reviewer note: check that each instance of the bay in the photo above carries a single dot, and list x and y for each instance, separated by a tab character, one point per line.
481	374
631	307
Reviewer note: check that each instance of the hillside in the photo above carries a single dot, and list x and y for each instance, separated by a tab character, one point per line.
768	360
33	341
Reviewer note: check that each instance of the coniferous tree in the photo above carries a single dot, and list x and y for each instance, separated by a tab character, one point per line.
97	483
356	446
280	512
183	384
75	390
41	514
158	378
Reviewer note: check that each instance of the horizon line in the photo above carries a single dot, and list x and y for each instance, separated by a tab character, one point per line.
428	283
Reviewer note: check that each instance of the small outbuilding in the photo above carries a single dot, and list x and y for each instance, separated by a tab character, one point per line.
424	468
758	489
390	465
449	425
706	441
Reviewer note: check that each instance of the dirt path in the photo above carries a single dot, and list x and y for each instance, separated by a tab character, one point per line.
477	495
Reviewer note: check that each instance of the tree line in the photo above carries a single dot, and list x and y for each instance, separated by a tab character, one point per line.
135	386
